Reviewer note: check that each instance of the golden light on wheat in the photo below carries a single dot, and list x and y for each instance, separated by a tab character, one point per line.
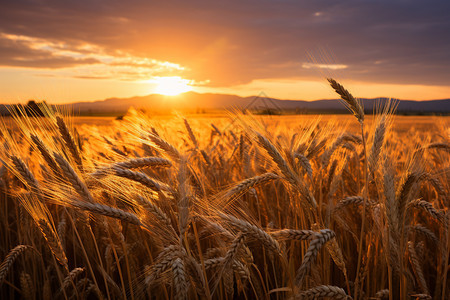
249	209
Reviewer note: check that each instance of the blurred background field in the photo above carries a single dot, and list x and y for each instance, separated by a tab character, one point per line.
401	124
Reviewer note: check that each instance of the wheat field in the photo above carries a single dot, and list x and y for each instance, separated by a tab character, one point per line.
229	208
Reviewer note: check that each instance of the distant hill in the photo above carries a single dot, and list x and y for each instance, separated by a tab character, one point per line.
192	100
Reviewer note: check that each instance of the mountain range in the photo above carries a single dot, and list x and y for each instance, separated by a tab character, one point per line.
207	101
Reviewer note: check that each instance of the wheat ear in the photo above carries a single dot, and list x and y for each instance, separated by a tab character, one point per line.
29	178
427	207
286	170
164	146
417	268
191	133
26	286
195	272
377	144
249	183
9	260
350	102
142	179
340	141
108	211
45	154
443	146
156	211
352	200
73	178
179	279
163	262
71	277
134	163
253	232
323	291
382	294
68	139
314	246
426	232
230	256
304	163
53	241
293	234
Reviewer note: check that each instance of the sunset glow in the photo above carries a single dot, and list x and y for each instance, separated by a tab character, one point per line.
171	86
84	52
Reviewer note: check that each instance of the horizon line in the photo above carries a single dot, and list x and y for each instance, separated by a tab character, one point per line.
194	92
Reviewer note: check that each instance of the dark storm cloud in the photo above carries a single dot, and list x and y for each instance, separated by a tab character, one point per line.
235	42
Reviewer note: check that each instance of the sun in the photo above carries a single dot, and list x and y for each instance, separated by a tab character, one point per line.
171	86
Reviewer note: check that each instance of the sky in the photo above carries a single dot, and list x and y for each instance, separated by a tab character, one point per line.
66	51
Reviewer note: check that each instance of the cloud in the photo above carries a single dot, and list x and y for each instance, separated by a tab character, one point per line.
324	66
83	60
27	52
236	42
